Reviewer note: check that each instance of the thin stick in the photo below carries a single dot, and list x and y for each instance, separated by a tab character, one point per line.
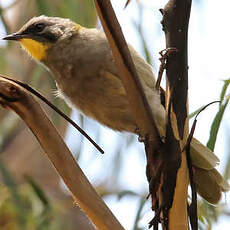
36	93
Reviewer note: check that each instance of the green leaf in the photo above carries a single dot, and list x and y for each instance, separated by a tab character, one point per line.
38	191
123	193
139	210
219	116
222	95
223	92
216	125
193	114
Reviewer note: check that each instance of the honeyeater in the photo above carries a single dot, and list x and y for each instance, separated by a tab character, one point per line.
86	75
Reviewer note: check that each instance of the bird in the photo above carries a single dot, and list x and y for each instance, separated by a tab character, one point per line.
82	64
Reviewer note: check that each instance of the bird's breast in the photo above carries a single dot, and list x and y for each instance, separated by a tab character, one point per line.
96	92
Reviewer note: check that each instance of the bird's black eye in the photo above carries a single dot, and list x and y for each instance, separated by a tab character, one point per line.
39	27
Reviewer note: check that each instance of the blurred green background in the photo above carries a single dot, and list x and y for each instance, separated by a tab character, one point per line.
32	196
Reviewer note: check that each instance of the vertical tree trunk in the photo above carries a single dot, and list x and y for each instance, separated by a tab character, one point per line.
175	25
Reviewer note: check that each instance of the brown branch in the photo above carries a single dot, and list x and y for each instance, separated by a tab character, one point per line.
127	71
175	25
16	98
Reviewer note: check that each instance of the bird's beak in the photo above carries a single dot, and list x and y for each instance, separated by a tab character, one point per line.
14	37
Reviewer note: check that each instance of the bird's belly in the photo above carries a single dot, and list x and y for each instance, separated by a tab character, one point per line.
102	98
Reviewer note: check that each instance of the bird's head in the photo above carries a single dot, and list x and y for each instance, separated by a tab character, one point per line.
41	33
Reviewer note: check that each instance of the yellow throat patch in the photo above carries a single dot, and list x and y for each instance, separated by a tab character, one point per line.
36	49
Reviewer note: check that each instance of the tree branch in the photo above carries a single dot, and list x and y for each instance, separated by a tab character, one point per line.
175	25
128	74
16	98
